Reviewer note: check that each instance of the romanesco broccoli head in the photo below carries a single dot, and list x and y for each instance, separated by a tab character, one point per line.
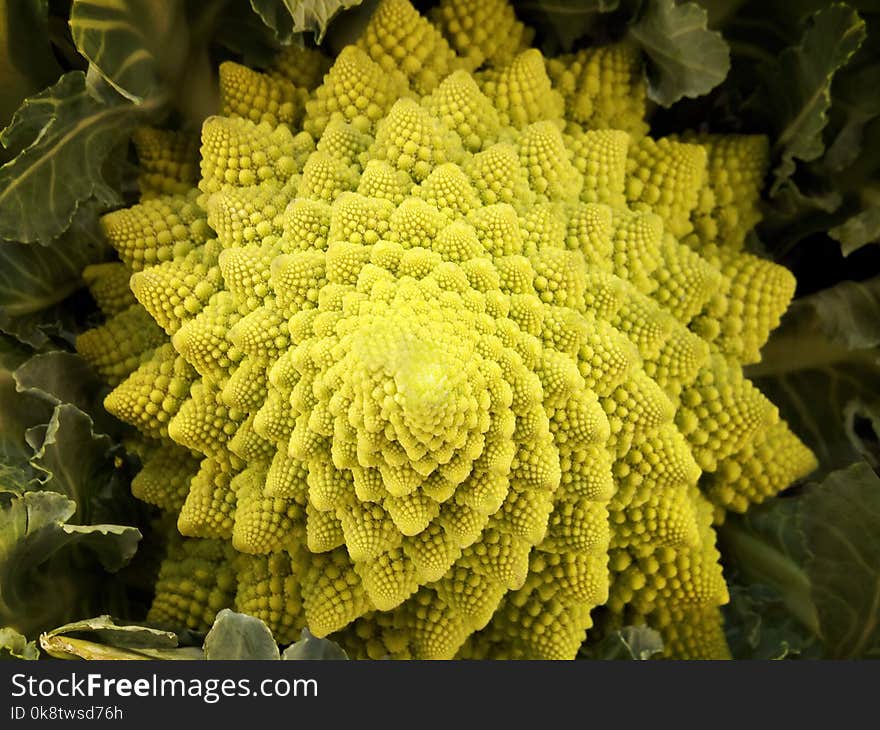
440	361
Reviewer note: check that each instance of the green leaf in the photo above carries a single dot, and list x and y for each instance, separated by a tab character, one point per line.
64	377
26	61
820	551
18	413
73	461
855	103
65	135
857	231
793	214
243	32
50	569
289	17
686	58
821	367
59	377
767	546
847	314
829	108
38	583
36	281
630	642
15	646
239	636
12	354
758	625
841	519
761	29
796	91
562	22
311	647
135	45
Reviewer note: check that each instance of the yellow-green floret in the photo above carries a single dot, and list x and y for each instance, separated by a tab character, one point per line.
443	351
168	161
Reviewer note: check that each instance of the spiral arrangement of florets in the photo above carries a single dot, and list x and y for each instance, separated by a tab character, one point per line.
439	362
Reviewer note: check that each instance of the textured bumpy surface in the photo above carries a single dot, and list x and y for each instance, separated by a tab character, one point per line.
443	361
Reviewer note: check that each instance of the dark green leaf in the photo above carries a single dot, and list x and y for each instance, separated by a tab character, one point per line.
311	647
65	135
758	626
242	31
15	646
767	546
113	545
239	636
686	58
855	102
73	461
35	281
796	87
289	17
42	555
821	104
59	377
841	520
63	377
135	45
766	27
848	314
857	231
18	413
562	22
794	214
12	354
26	61
37	582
